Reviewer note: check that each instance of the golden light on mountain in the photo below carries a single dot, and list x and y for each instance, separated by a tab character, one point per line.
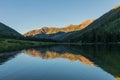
116	7
53	30
54	55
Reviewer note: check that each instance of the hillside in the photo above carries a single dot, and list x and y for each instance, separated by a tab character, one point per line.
104	29
56	33
7	32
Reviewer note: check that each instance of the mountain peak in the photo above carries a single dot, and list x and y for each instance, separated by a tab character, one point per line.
116	7
53	30
44	29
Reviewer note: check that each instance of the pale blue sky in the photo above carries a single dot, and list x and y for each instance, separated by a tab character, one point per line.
25	15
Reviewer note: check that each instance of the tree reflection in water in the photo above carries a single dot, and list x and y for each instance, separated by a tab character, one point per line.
104	56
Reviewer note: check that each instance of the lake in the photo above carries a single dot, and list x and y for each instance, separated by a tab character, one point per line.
62	62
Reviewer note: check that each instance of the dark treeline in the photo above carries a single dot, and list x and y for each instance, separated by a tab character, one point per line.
27	38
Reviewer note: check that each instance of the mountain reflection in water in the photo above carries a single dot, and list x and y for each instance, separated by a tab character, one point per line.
88	60
4	57
104	56
53	55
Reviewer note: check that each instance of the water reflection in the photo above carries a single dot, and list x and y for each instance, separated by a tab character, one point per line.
53	55
104	56
4	57
62	62
107	57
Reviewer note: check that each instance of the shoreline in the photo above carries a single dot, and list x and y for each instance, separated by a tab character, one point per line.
7	45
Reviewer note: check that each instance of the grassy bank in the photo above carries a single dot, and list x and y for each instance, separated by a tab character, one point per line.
13	44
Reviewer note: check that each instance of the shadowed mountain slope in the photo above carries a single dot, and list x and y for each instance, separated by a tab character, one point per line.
104	29
6	31
56	33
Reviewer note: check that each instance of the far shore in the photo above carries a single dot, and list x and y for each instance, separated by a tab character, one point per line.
7	45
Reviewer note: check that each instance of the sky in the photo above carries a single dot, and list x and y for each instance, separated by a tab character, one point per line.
25	15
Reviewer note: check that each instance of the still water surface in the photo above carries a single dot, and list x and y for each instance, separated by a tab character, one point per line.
60	63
